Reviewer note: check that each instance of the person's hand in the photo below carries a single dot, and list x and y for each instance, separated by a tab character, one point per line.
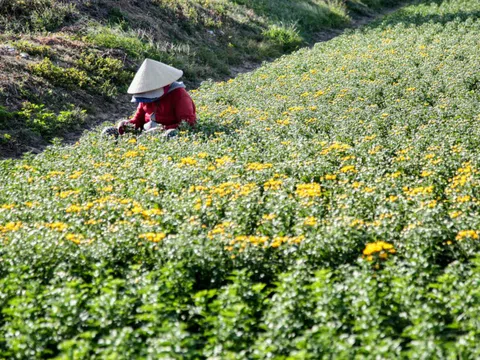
121	124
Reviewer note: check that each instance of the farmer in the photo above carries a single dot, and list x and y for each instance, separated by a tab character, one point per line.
163	103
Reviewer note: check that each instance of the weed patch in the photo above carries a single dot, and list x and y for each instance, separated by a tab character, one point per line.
35	15
66	77
95	73
285	36
5	117
32	49
47	123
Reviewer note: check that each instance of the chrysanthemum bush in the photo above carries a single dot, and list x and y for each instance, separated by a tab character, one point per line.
325	206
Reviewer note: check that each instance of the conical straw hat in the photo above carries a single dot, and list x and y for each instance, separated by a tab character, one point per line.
153	75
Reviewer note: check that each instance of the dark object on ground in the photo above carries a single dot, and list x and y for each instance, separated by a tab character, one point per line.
111	131
170	133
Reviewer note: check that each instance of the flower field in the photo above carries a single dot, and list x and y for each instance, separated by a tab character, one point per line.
327	206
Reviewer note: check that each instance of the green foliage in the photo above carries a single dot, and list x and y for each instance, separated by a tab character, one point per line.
93	72
34	49
66	77
35	15
231	317
138	46
286	37
106	73
47	123
5	138
309	15
325	206
116	38
5	117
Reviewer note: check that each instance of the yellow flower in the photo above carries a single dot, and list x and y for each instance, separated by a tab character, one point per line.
247	189
356	184
91	222
137	209
107	177
381	248
280	240
455	214
55	173
131	154
309	190
11	227
57	226
370	137
339	147
152	212
272	184
421	190
229	111
73	209
76	175
284	122
252	240
197	188
188	161
463	199
65	194
467	234
430	204
75	238
374	150
296	108
219	229
310	221
153	237
358	223
223	160
258	166
348	168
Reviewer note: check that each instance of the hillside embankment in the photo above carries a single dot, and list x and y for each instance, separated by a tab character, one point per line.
65	65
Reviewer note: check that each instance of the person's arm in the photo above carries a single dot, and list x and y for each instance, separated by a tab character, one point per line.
185	110
138	119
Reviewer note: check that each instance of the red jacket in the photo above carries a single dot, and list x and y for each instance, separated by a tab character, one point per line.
170	110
